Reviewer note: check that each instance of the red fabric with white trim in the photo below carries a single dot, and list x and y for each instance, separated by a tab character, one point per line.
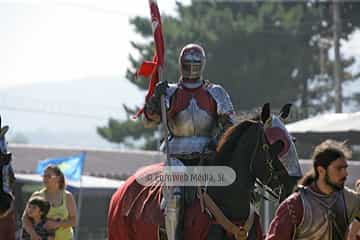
134	212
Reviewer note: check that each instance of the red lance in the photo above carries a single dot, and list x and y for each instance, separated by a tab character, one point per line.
155	67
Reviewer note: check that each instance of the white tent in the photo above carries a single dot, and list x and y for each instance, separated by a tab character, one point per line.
332	122
339	126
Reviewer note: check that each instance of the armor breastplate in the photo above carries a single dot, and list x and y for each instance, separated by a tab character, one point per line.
192	113
324	217
192	120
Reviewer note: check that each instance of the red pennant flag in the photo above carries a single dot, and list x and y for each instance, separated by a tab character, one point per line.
148	68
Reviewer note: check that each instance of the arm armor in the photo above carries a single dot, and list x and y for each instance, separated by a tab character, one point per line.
152	109
225	109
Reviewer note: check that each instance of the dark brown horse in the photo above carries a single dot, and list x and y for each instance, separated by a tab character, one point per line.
253	149
7	211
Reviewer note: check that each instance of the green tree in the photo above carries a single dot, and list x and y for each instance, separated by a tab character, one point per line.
317	91
259	51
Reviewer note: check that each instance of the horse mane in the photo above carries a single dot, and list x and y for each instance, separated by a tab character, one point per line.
252	115
230	138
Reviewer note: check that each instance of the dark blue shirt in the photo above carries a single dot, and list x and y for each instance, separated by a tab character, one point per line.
40	230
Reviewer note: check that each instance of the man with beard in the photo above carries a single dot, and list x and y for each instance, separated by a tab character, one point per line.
322	208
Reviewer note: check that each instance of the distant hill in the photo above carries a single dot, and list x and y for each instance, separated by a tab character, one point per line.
66	113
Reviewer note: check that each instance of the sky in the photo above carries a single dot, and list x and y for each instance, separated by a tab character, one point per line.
63	40
55	42
352	48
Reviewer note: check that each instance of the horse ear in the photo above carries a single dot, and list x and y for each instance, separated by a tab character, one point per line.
285	110
265	112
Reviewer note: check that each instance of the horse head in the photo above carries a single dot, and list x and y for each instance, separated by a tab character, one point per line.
284	168
257	150
6	175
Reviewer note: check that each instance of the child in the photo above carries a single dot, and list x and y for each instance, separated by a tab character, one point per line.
37	210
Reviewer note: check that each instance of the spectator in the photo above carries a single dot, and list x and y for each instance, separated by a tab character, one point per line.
62	214
323	207
36	211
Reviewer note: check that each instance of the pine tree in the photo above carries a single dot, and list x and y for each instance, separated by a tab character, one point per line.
259	51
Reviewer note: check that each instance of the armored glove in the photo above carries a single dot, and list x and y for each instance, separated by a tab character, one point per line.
153	105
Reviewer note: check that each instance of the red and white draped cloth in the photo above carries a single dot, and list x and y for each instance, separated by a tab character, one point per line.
134	210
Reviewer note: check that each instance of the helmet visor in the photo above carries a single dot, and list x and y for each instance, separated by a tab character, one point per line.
192	57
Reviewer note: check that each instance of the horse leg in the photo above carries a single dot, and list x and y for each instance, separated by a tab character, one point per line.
174	220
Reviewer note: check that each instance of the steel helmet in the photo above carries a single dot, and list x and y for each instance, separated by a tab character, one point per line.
192	61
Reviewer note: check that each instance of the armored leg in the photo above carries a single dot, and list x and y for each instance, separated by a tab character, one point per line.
174	217
173	205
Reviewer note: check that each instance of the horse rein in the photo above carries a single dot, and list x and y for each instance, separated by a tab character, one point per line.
239	232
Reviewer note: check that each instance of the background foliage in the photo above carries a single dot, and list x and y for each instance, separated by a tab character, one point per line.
259	51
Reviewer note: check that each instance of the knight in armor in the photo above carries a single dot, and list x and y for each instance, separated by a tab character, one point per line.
321	208
198	112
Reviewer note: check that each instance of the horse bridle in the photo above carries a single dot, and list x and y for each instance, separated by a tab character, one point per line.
275	193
